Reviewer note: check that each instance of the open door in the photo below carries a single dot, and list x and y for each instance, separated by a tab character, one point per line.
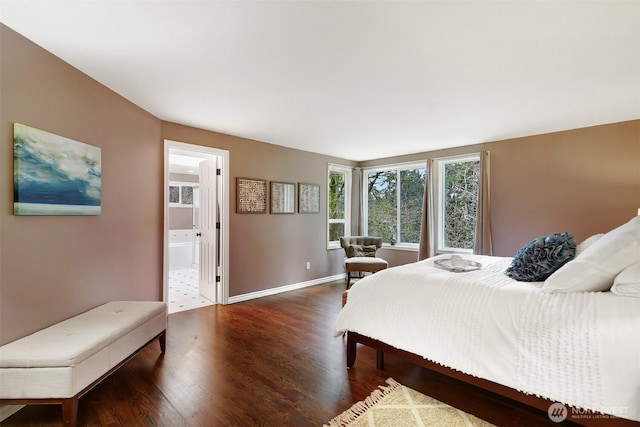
211	199
209	279
195	251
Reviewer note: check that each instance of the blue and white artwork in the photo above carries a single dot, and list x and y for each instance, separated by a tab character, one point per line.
53	175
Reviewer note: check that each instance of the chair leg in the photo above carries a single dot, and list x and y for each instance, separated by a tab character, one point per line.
348	279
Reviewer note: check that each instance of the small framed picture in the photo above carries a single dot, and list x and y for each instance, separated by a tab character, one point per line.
309	198
283	197
251	195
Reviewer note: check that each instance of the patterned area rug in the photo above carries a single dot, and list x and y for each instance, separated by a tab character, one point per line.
397	405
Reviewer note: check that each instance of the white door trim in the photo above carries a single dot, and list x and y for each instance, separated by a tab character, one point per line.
224	214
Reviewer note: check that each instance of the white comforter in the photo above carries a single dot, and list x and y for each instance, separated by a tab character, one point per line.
581	349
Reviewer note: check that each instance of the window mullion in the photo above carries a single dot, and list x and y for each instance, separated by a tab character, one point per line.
398	207
364	194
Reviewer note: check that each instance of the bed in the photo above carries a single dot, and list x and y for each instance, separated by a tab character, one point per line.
539	342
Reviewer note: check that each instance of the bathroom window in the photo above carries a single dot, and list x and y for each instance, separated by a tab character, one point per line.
181	194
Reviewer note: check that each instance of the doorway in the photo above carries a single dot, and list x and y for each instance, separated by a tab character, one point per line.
196	232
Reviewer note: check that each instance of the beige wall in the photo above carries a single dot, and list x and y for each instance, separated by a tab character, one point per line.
584	181
53	267
267	250
181	218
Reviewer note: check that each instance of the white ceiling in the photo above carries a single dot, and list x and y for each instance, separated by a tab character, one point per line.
355	79
186	163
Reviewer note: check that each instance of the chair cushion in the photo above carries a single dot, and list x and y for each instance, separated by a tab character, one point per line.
368	264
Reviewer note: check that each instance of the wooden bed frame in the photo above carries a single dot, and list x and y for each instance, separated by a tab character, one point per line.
577	416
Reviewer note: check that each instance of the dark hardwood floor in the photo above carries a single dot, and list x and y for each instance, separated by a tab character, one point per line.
272	361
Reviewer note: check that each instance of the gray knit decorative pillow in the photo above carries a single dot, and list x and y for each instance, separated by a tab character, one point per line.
538	259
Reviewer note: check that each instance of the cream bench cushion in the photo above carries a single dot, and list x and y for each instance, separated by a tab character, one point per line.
63	359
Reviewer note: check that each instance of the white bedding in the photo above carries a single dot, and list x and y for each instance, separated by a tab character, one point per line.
581	349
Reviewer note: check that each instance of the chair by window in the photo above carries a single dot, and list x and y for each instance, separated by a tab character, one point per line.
361	256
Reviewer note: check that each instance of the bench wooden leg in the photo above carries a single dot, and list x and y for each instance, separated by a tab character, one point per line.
70	411
162	339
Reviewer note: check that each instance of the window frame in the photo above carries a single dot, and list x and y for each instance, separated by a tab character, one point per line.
397	167
181	203
347	172
438	176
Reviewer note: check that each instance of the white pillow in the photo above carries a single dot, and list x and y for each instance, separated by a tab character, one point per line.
597	266
580	247
627	283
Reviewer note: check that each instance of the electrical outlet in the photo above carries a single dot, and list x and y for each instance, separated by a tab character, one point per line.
308	265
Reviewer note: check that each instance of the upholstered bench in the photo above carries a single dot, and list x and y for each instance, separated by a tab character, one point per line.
61	363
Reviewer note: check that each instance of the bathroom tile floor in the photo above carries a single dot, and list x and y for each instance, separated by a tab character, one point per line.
183	291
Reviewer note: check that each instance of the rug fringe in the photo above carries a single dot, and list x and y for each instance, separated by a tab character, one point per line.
361	407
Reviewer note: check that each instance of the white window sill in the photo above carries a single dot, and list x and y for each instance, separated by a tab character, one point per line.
400	247
454	251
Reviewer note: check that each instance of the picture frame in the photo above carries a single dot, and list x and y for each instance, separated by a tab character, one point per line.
54	175
251	195
283	197
309	198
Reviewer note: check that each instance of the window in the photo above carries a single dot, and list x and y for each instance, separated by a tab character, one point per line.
181	193
456	199
393	203
339	204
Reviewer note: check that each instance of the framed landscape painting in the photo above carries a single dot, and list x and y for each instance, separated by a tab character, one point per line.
54	175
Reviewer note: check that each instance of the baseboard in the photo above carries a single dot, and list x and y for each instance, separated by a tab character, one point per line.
8	410
286	288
